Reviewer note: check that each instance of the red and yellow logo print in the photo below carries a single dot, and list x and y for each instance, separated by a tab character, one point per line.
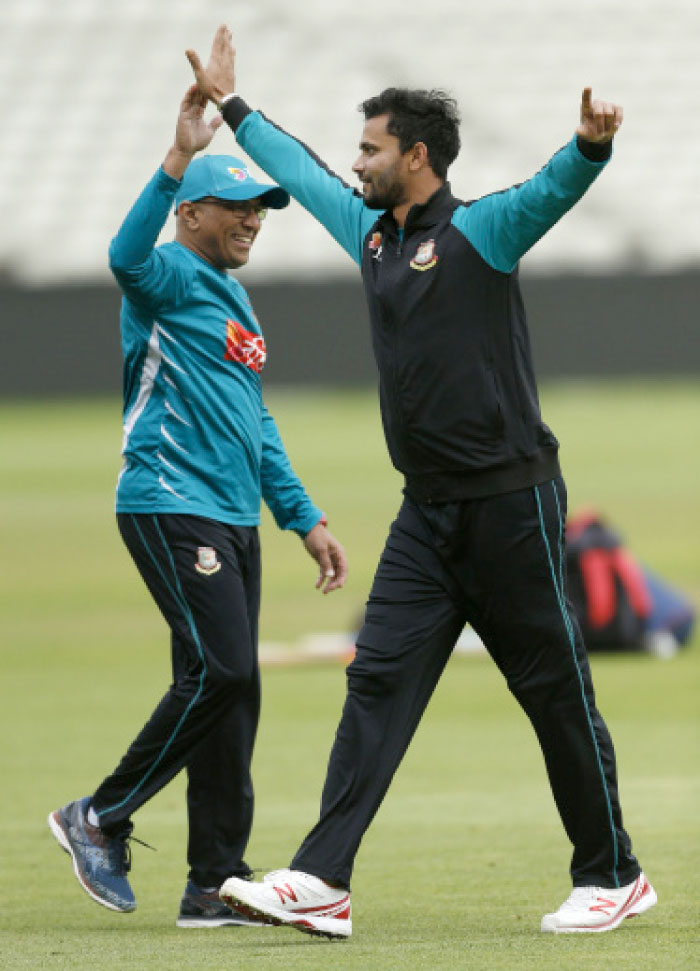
375	245
245	347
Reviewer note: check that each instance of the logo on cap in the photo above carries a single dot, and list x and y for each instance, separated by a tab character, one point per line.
239	174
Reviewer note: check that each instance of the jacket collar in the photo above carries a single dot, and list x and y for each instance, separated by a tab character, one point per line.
441	204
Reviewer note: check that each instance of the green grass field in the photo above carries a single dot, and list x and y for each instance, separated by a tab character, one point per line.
467	851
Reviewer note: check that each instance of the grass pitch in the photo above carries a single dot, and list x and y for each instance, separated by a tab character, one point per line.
467	852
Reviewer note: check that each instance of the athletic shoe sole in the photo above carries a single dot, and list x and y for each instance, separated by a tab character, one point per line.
311	923
54	821
200	922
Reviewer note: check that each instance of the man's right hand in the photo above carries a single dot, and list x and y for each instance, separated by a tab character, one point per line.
192	132
217	79
329	555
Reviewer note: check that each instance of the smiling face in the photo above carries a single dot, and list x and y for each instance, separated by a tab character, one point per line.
219	230
381	167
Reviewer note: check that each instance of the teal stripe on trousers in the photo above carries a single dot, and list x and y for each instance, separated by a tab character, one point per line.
559	590
180	599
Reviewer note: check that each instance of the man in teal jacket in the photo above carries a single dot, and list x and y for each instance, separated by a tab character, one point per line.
199	451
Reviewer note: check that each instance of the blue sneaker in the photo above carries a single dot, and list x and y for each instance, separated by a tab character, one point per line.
100	862
204	908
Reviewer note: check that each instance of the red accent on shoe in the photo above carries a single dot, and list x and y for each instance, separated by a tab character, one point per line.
603	906
635	895
330	910
285	891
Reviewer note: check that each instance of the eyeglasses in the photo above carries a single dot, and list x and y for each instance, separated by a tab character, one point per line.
239	208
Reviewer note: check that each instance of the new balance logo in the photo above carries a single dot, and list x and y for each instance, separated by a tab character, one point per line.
604	906
286	891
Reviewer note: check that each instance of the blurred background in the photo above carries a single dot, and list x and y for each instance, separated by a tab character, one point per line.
91	95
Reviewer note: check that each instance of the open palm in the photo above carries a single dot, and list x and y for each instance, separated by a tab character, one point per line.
193	133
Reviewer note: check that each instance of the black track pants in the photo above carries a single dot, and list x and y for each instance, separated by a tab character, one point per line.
207	720
497	563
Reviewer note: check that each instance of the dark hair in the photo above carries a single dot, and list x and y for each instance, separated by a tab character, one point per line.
431	117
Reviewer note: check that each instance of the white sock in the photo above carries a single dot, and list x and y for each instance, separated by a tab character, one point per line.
92	817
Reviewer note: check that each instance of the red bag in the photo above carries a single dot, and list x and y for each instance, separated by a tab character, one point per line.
607	586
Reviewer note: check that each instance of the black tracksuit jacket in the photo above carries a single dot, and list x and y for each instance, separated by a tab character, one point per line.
457	386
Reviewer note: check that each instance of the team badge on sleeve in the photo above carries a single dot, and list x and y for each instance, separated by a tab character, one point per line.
425	257
207	561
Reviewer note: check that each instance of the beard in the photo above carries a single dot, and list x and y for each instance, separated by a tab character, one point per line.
385	191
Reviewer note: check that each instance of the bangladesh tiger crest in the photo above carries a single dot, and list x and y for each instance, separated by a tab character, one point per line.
425	257
207	561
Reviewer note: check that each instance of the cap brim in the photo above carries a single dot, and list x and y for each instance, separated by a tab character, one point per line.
273	196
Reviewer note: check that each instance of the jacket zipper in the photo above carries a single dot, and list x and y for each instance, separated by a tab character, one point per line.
399	428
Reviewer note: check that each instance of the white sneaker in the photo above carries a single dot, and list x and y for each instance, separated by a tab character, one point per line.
592	910
294	898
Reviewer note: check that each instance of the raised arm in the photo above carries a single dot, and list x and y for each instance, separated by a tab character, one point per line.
139	270
290	163
502	227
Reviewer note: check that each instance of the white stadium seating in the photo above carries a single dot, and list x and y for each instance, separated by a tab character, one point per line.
90	94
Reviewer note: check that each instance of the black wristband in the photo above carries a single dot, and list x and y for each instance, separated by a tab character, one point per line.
234	111
594	151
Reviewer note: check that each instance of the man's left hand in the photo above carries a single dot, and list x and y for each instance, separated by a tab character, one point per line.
599	119
329	555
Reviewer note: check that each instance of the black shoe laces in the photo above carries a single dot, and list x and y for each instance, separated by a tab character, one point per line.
119	852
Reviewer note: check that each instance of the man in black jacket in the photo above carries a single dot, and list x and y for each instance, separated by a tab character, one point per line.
479	536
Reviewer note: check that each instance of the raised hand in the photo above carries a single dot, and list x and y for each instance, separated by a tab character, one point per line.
192	132
599	119
218	78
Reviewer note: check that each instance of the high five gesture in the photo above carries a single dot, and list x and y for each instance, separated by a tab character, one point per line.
217	79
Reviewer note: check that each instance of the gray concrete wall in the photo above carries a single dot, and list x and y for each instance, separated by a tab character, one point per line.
65	340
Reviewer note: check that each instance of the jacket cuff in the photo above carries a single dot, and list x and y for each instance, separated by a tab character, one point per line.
317	517
167	181
594	151
235	111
